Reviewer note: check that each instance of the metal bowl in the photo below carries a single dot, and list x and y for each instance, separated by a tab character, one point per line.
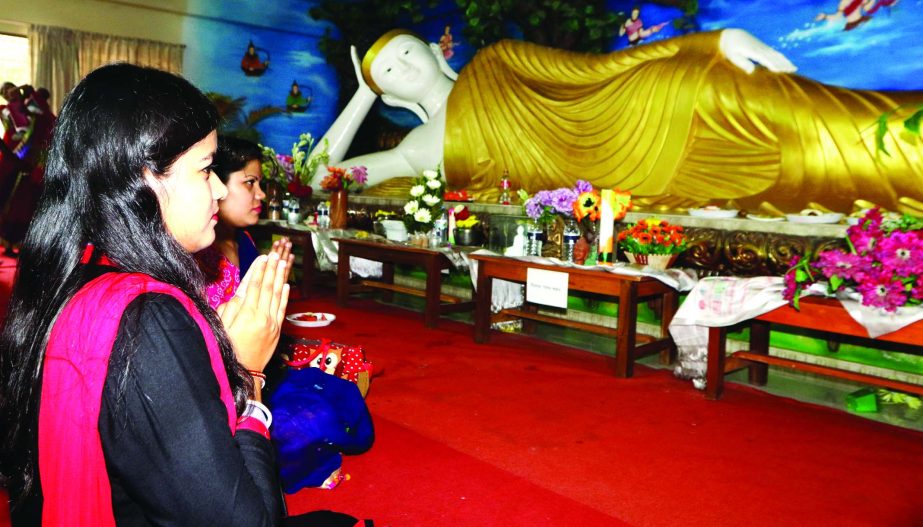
471	236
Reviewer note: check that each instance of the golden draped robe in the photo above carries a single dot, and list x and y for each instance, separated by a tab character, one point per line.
674	121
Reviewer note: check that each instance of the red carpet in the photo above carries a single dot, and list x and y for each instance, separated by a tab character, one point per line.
645	451
526	433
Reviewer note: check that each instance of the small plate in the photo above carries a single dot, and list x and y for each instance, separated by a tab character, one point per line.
830	217
757	217
713	213
311	320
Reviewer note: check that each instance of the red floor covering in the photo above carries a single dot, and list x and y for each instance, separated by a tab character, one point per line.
645	451
527	433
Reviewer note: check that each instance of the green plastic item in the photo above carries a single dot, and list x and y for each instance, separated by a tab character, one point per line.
863	400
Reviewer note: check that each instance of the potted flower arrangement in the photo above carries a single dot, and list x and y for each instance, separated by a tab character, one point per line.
292	173
338	182
466	231
653	242
425	204
882	263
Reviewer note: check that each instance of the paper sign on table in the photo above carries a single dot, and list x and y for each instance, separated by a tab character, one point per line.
546	287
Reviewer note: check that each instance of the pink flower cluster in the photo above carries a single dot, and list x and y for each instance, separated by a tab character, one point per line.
884	263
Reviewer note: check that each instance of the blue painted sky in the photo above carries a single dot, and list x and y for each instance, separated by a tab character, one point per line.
884	53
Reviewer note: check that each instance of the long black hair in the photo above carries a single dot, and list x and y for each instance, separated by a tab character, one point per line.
233	154
118	121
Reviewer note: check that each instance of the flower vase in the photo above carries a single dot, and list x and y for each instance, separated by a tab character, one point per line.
339	204
657	261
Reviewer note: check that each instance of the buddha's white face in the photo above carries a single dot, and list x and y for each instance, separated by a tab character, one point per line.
405	68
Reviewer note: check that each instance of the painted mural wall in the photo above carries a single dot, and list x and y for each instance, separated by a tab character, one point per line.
865	44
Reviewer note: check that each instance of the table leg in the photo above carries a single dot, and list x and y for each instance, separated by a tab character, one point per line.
387	276
626	331
433	290
758	372
482	305
670	303
714	375
343	277
307	265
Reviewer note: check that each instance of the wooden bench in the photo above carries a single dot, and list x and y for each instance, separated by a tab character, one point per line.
432	262
628	290
819	314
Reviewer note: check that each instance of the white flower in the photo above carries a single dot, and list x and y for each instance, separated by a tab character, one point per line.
417	191
430	174
422	216
411	207
433	183
430	200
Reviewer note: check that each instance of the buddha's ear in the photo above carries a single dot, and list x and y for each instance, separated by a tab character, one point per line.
443	65
391	100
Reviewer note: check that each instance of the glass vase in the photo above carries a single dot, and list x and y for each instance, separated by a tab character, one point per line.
339	204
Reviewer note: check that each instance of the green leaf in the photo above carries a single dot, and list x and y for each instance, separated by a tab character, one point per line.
835	282
912	124
801	275
881	132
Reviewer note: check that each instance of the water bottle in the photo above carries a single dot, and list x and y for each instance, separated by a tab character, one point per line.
571	235
292	209
323	215
535	237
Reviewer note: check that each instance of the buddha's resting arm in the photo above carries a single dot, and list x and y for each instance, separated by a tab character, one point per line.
341	133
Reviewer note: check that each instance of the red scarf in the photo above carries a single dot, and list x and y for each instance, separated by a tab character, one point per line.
75	483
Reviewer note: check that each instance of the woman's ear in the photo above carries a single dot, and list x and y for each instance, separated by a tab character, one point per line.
155	183
418	110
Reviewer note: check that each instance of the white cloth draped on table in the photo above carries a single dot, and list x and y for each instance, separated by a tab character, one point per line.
510	294
726	300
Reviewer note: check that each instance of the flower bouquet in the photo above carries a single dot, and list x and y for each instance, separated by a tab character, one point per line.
425	205
653	242
466	231
883	263
294	172
338	179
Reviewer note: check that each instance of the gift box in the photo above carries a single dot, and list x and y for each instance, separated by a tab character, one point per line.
863	400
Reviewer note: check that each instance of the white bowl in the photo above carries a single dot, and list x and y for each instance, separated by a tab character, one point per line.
831	217
713	213
395	230
311	320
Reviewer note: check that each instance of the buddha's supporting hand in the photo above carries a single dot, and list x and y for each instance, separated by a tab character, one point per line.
745	51
357	65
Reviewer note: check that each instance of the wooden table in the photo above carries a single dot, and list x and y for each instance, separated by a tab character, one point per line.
300	237
432	262
820	314
628	290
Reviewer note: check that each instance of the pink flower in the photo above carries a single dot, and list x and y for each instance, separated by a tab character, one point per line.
902	252
847	266
882	290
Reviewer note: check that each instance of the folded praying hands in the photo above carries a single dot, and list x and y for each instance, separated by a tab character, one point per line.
253	317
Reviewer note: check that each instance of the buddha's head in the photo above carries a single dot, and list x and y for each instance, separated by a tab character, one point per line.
402	65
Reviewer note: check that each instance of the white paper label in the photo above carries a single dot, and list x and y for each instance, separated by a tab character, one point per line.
546	287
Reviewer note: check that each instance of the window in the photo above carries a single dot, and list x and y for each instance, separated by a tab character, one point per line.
15	66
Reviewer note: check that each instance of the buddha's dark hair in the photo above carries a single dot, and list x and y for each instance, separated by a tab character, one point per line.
233	154
118	121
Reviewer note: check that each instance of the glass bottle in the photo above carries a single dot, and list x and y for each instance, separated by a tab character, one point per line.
505	196
535	238
323	215
571	235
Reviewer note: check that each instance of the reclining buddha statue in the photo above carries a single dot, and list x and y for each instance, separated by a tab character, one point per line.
692	120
